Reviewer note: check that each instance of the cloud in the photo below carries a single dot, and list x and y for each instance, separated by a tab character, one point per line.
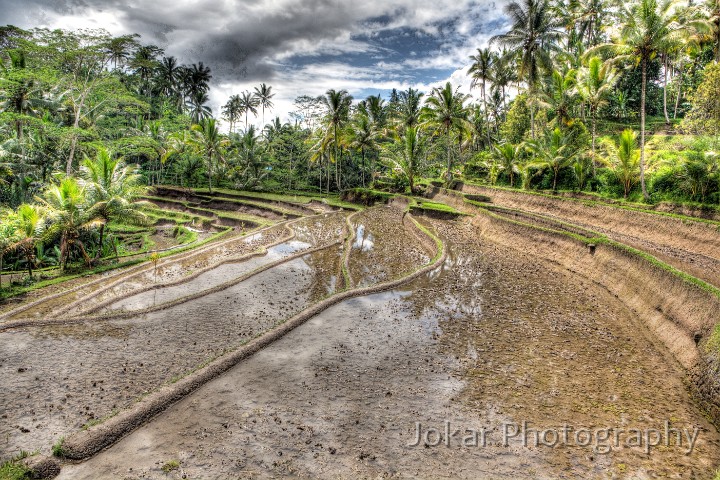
298	46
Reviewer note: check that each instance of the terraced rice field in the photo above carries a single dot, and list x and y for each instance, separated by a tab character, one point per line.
327	343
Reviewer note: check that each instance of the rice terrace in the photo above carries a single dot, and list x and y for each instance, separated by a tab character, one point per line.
398	239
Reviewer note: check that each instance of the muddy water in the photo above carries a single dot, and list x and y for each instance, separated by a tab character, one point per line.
383	249
54	379
493	337
212	278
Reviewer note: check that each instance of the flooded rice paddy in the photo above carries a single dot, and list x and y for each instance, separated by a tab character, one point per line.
491	339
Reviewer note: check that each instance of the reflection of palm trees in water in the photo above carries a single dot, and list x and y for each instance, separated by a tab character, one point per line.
325	269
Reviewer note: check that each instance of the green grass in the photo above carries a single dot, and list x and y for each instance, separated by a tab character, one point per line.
170	466
183	235
14	469
57	448
436	207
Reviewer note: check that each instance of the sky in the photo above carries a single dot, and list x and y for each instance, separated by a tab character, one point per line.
298	47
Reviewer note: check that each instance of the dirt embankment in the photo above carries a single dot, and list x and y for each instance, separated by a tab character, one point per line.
678	314
691	246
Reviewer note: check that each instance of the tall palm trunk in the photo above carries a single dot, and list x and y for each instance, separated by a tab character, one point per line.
28	257
448	175
679	92
100	242
665	82
646	197
487	117
594	135
362	165
210	174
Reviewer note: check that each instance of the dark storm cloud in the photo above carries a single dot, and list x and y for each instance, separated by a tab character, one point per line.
253	37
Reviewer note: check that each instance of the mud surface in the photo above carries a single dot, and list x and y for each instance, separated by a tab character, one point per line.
495	336
383	249
63	377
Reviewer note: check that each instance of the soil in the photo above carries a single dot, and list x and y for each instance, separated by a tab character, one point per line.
691	246
495	335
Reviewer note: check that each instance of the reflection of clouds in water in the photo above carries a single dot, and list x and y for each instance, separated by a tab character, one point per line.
362	241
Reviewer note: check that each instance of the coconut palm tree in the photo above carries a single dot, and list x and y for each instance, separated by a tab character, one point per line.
68	216
196	78
445	110
363	137
264	94
248	103
197	105
112	188
534	34
410	106
376	111
624	159
650	28
555	150
508	155
405	160
24	229
209	142
594	83
168	80
337	110
481	72
118	49
232	110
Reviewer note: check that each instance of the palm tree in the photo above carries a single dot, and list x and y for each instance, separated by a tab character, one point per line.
594	84
232	110
624	159
560	94
26	225
481	71
337	109
118	49
199	110
410	103
650	28
144	63
68	215
112	188
168	80
533	35
209	142
264	95
363	137
251	153
445	110
197	79
376	111
406	159
248	103
508	155
555	150
503	74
